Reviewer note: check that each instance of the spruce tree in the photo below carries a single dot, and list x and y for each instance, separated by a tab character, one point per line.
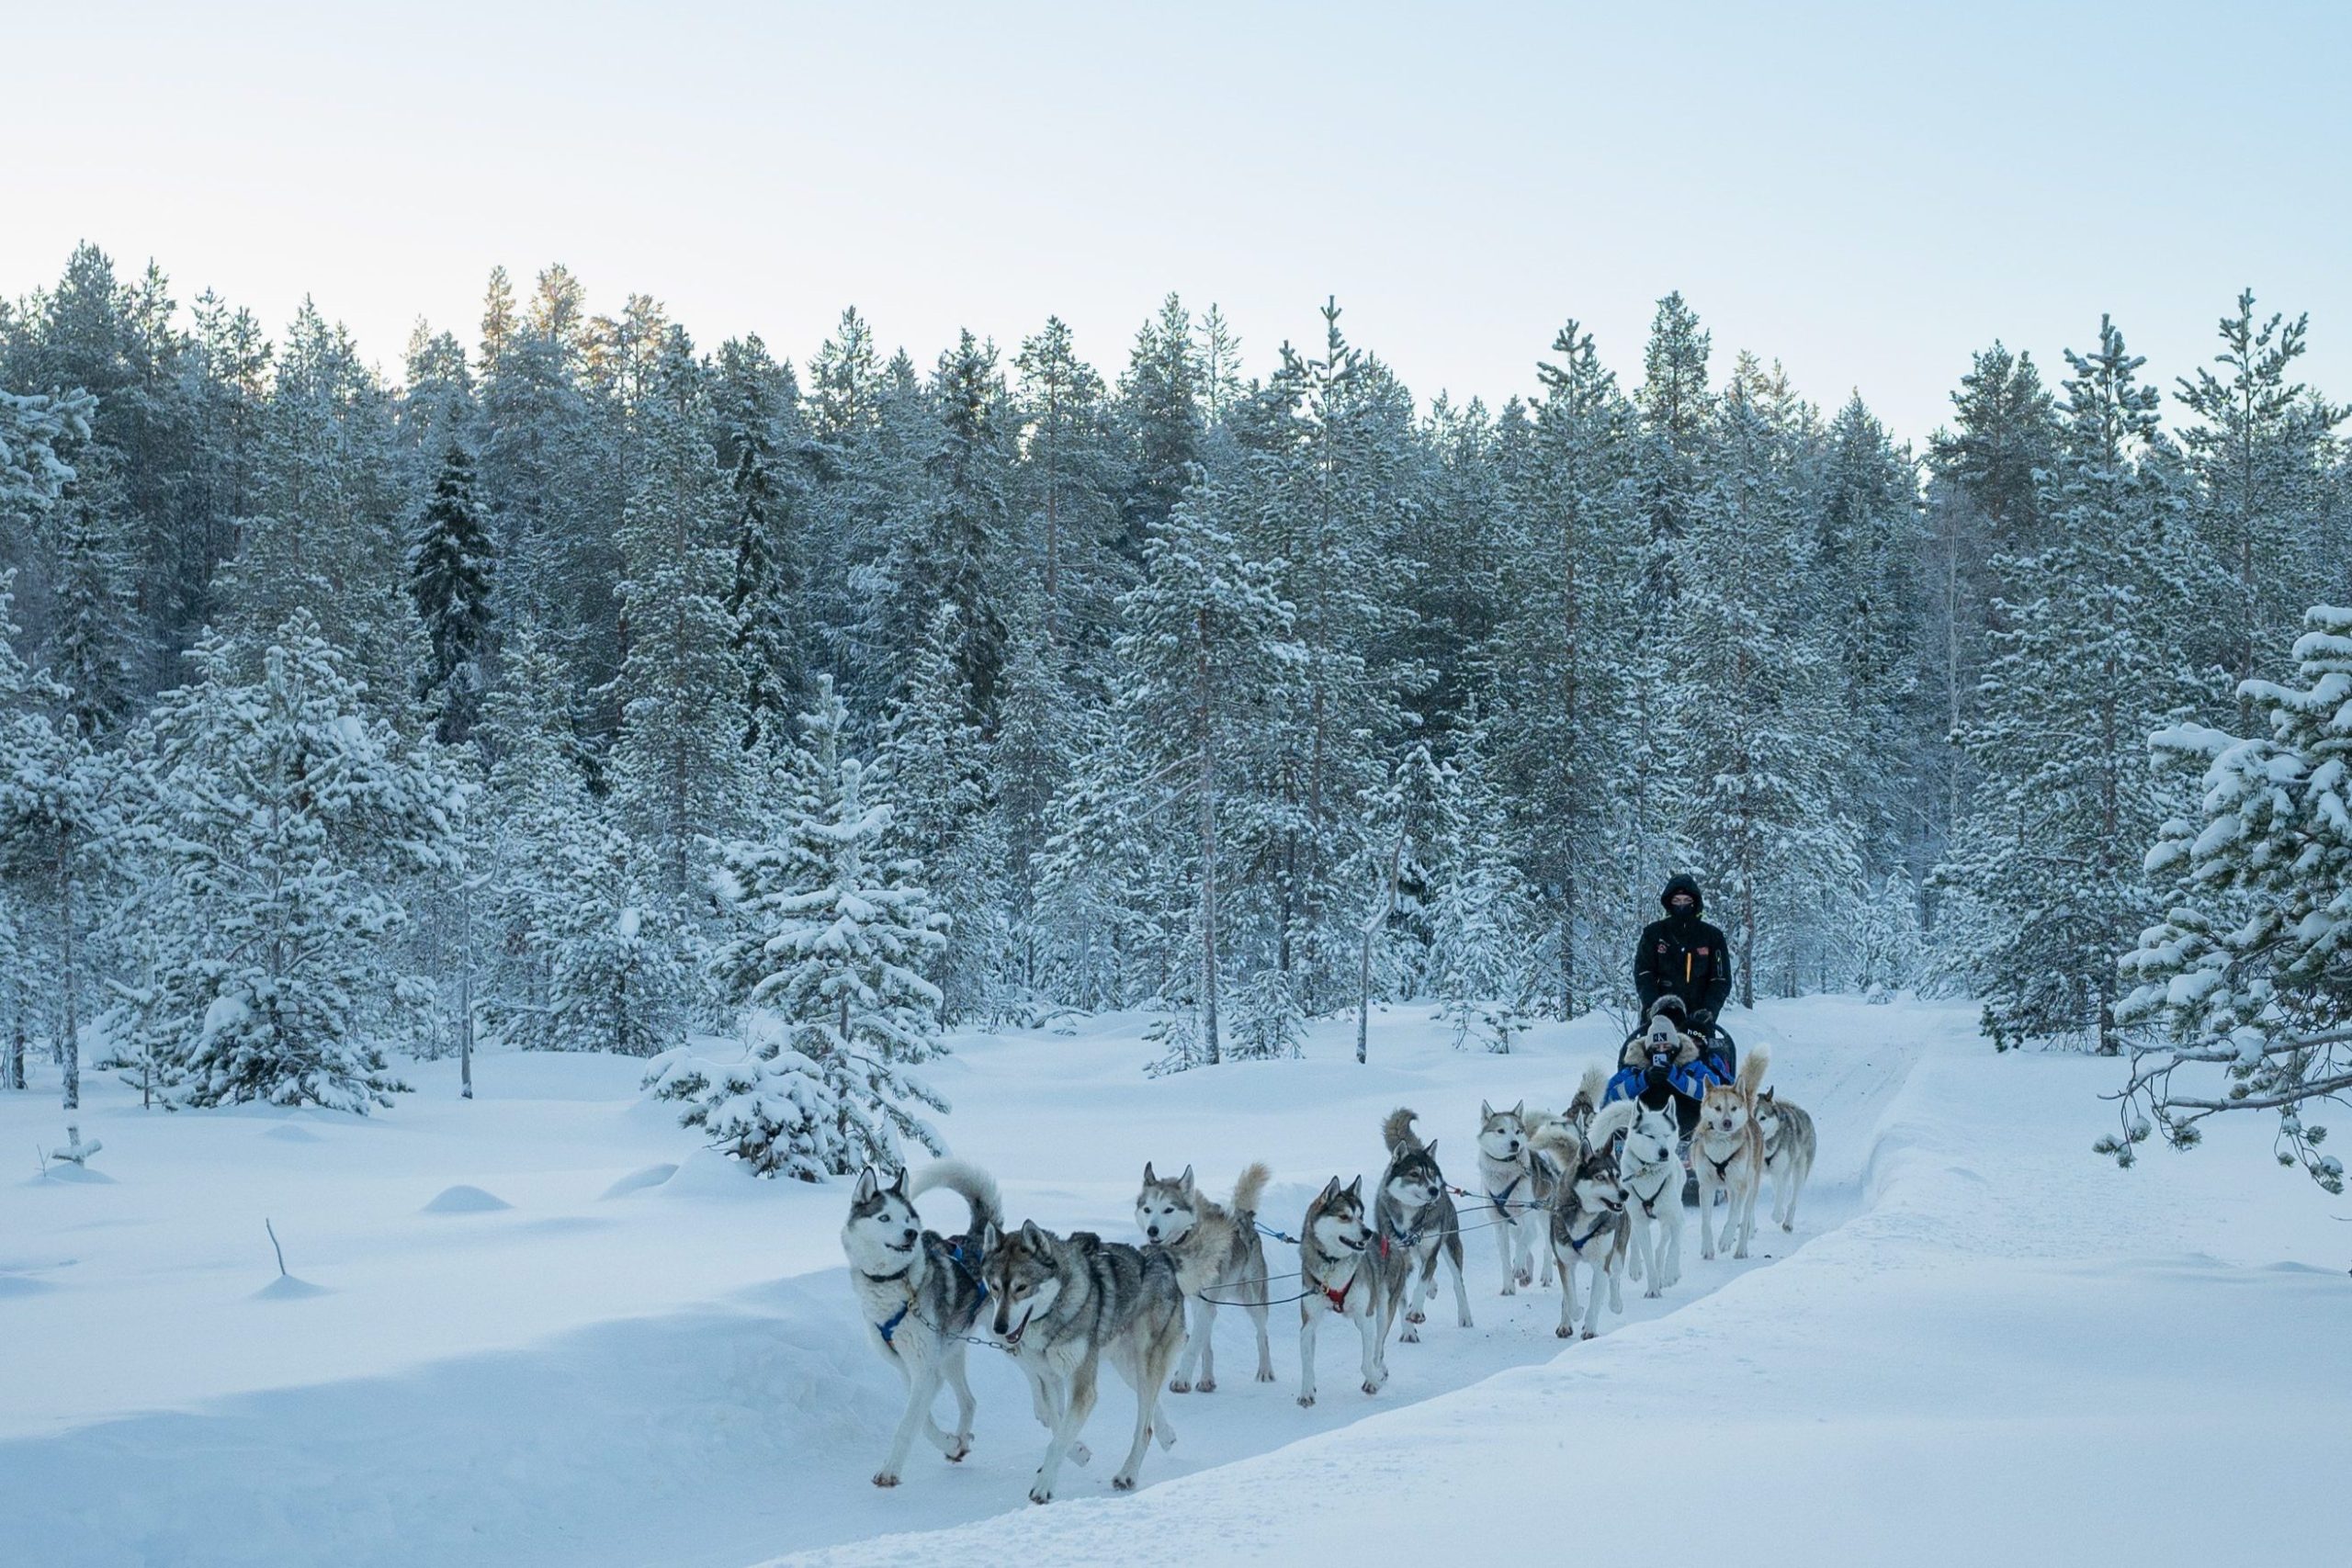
451	563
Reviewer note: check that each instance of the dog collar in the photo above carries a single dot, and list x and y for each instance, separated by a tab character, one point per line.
886	1279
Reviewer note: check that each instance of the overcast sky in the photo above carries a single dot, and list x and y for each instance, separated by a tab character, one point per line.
1867	193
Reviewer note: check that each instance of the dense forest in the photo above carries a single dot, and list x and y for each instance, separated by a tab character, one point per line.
581	686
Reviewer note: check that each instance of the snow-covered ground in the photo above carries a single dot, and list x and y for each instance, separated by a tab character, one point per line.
1981	1339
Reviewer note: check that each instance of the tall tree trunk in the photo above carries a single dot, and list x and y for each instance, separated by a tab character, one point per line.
1204	739
70	979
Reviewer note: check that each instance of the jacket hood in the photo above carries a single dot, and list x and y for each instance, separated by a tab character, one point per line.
1683	882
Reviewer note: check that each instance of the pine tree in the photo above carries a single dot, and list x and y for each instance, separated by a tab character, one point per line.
833	935
1481	922
450	569
279	818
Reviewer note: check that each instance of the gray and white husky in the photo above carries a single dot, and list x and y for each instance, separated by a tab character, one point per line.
1062	1306
1652	1171
1219	1257
1588	1227
1334	1259
1787	1129
1414	1223
918	1292
1517	1186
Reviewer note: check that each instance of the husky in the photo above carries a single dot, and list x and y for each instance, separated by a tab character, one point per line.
1728	1154
1652	1170
1787	1132
1589	1226
919	1294
1064	1304
1342	1278
1414	1223
1218	1256
1517	1185
1591	1092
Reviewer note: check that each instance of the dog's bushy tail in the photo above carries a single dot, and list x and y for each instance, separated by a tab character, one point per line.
1613	1119
967	1181
1396	1131
1589	1092
1251	1186
1752	1068
1557	1143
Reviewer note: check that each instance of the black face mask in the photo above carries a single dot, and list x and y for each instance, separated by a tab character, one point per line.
1683	908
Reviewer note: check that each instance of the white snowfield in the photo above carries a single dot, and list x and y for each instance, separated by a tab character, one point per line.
1982	1342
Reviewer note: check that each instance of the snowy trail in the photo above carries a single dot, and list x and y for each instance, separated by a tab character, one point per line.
747	1424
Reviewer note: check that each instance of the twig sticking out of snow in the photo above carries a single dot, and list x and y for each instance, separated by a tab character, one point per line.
279	1250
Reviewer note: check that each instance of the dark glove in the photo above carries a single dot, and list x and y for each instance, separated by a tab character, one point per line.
1703	1020
1654	1081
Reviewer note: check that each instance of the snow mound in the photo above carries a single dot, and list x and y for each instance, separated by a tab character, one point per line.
639	1180
462	1199
19	1285
287	1288
286	1132
67	1171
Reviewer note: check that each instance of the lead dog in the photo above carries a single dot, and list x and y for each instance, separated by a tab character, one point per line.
1414	1222
1217	1253
1652	1173
1787	1130
1340	1277
1588	1227
1063	1306
1728	1154
918	1292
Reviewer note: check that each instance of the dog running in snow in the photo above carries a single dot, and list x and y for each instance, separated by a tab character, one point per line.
1727	1156
1063	1306
1219	1257
1413	1223
1588	1224
1787	1130
1652	1172
1517	1185
1341	1277
919	1293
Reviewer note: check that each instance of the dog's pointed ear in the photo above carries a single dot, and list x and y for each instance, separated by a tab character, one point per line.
868	1184
1485	1111
1031	1235
1355	1188
1186	1180
1519	1112
1764	1099
1147	1177
991	1237
1330	1191
899	1182
1430	1148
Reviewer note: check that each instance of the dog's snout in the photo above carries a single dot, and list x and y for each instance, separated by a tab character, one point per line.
906	1236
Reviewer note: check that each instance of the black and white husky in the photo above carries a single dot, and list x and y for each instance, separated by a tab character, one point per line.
1788	1146
919	1293
1413	1223
1335	1260
1651	1171
1588	1228
1517	1185
1062	1306
1219	1257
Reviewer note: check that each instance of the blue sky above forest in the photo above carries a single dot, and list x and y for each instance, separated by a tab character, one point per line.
1867	193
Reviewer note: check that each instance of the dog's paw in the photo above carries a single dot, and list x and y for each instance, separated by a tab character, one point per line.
1564	1332
957	1450
1080	1454
1509	1289
1587	1333
1207	1385
884	1477
1265	1374
1417	1317
1306	1402
1122	1483
1371	1385
1466	1323
1524	1275
1180	1385
1788	1224
1041	1493
1411	1336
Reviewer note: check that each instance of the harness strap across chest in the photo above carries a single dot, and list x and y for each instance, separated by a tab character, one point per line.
1501	1201
1649	1205
1722	1166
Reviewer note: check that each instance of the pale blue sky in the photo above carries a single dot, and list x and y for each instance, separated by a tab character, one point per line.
1866	192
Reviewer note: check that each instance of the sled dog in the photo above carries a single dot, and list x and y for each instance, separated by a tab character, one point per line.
1062	1305
1727	1156
1413	1223
1588	1227
1516	1184
1652	1174
1340	1277
1787	1132
918	1291
1218	1256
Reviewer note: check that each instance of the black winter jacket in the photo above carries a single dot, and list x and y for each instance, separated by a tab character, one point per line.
1683	956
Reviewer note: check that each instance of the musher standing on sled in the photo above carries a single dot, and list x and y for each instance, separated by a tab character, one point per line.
1681	968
